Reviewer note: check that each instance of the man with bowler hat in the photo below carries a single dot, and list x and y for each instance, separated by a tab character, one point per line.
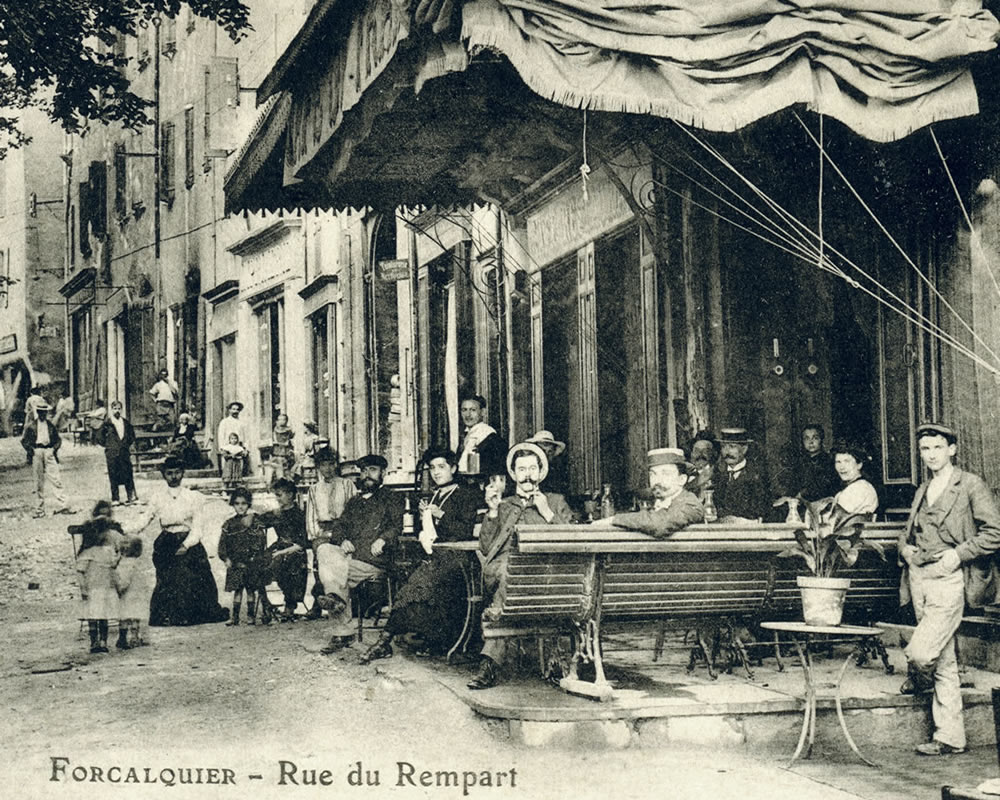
946	550
739	484
674	507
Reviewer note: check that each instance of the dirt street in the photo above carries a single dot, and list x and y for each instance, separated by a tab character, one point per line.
236	703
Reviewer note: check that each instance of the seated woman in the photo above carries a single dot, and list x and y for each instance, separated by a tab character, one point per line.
857	497
183	445
431	603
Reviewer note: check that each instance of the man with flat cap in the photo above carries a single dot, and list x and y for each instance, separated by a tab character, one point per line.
739	484
946	550
358	546
674	507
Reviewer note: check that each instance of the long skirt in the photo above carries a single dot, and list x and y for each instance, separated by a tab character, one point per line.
185	591
432	602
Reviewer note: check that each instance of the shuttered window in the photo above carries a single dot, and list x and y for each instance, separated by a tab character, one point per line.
189	146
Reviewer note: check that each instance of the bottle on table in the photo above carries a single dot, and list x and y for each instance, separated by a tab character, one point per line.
607	502
711	515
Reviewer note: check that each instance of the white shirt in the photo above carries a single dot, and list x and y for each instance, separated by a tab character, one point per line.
42	435
119	423
164	392
227	426
736	469
858	497
473	438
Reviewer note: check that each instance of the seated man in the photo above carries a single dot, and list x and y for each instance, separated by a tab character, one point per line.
326	501
358	546
740	492
674	507
528	466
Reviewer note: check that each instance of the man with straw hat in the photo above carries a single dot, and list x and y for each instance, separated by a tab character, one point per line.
41	444
673	507
740	489
528	465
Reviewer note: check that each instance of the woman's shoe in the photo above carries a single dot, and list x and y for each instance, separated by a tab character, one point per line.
488	675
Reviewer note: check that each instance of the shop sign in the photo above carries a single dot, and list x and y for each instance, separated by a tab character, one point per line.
8	343
48	331
393	269
318	109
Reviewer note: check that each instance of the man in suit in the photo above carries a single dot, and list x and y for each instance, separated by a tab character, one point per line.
946	548
117	436
41	444
479	439
739	484
528	465
673	506
357	547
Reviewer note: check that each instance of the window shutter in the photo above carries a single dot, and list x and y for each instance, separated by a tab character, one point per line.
189	147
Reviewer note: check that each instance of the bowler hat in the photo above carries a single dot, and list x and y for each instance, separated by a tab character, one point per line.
373	460
734	436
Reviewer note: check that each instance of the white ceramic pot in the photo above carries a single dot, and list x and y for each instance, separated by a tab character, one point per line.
822	599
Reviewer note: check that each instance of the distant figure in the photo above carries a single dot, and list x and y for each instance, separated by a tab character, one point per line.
233	457
282	451
810	475
133	578
229	424
96	563
182	443
41	444
704	457
64	411
31	405
740	492
164	394
242	548
116	436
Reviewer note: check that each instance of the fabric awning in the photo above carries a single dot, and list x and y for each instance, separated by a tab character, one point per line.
884	68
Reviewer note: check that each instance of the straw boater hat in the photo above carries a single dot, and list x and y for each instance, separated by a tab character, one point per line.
43	406
235	403
532	448
668	455
545	439
734	436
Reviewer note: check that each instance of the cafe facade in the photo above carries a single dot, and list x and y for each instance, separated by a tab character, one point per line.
626	256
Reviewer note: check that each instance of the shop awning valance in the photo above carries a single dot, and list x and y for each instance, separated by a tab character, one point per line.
884	68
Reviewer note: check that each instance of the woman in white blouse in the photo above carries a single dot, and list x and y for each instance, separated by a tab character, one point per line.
856	496
185	592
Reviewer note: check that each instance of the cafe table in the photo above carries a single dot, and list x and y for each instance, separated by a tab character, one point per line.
803	636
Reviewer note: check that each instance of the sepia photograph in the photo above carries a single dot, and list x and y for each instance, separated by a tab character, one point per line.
500	399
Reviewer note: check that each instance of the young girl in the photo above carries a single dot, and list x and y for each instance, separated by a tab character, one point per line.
282	452
96	564
132	579
233	454
242	549
306	468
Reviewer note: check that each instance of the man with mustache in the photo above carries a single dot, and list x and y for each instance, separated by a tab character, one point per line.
739	484
358	546
673	506
528	465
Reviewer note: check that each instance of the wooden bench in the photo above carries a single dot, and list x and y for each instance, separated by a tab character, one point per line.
576	578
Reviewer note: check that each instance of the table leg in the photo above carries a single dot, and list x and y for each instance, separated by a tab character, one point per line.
840	712
808	719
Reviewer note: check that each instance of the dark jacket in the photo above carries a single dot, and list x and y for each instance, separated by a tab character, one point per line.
971	524
685	509
365	519
30	435
744	497
115	448
289	527
496	536
810	477
459	515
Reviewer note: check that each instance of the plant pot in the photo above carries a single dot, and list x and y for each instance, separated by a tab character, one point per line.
822	599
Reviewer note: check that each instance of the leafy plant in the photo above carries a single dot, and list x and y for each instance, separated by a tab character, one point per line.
832	541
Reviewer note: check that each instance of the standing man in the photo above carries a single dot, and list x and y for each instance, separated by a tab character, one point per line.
41	443
31	405
117	436
947	545
674	507
164	394
479	439
231	423
358	547
739	484
324	505
528	466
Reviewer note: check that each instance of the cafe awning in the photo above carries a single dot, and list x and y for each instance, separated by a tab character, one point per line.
883	67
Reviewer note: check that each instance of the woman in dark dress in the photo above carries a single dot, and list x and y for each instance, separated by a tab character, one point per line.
431	604
183	445
185	591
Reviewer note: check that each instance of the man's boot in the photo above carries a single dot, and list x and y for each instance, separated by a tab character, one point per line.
251	611
122	643
234	619
488	675
381	649
918	682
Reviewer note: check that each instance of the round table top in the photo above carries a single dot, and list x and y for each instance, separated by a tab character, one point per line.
841	630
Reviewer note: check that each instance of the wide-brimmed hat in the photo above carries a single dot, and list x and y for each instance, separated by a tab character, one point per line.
531	447
43	406
373	460
734	436
667	455
545	439
232	403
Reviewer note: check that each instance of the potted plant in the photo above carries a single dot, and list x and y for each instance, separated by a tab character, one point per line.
832	541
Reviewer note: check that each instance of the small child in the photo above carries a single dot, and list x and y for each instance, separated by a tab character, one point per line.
242	549
233	454
96	564
134	591
288	553
306	468
282	451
